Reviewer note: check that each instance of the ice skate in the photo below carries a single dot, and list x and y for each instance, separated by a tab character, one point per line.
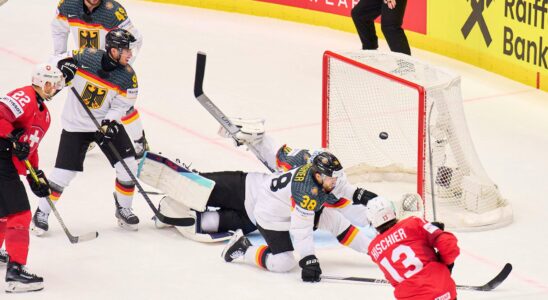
125	216
39	224
19	280
236	247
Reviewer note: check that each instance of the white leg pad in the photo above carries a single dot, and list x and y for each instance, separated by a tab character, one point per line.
182	185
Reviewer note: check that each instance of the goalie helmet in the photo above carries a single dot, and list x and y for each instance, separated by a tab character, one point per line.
380	211
119	38
47	73
327	164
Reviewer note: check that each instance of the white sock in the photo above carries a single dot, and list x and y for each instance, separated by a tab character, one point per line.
210	221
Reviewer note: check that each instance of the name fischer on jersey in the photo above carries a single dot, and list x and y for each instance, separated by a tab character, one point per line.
387	242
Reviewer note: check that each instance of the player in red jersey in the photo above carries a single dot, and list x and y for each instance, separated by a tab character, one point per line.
414	255
24	120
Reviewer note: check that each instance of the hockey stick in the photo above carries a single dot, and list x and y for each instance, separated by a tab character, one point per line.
213	109
2	2
492	284
160	216
73	239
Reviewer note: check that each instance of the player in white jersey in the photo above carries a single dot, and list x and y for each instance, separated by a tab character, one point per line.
251	201
108	86
89	21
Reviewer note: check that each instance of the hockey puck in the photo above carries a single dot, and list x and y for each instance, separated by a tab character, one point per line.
383	135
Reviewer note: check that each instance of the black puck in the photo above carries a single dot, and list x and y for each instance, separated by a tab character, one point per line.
383	135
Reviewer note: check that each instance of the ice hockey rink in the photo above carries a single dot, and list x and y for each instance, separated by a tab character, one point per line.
259	67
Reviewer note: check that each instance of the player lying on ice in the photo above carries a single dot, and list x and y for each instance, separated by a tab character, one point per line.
311	192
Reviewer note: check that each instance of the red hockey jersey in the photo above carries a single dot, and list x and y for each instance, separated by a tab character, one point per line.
20	109
405	253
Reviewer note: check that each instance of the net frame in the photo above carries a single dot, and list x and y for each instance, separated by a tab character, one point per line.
423	176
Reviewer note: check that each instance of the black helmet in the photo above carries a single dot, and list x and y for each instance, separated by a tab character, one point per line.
326	163
118	38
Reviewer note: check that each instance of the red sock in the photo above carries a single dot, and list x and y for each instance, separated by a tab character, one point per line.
17	236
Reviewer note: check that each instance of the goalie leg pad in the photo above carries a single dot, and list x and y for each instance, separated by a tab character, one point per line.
176	181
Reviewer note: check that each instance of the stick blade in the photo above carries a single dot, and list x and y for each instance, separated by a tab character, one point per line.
200	72
176	221
84	238
499	278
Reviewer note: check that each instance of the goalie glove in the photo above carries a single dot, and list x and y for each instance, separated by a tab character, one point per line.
251	131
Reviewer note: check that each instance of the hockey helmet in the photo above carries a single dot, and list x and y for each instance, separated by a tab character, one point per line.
380	211
327	164
47	73
119	38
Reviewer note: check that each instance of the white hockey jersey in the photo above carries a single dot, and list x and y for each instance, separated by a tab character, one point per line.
108	98
89	30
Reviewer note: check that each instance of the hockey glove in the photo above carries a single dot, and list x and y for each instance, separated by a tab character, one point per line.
311	270
362	196
440	225
20	148
108	132
41	187
68	67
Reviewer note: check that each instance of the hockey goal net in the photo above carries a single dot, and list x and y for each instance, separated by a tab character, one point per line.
391	117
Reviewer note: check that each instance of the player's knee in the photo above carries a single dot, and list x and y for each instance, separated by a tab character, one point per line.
61	178
19	220
281	262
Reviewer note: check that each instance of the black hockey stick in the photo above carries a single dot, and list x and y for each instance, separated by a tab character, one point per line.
213	109
73	239
160	216
496	281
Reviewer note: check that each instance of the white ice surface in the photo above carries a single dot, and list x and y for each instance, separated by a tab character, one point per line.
259	67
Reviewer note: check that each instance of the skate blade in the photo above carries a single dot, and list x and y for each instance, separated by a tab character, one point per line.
19	287
36	231
127	226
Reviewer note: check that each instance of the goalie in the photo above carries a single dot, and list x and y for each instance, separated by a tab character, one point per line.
313	184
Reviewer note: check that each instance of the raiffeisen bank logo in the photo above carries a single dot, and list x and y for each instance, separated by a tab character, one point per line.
476	17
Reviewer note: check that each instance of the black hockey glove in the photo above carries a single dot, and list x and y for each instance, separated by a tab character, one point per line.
440	225
41	187
310	269
362	196
68	67
19	148
108	132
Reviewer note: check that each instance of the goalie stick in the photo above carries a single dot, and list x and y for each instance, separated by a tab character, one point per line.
73	239
160	216
213	109
492	284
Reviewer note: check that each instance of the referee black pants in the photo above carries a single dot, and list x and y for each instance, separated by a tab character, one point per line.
364	15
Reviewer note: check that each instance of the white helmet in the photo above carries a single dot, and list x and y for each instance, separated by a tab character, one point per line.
380	210
48	73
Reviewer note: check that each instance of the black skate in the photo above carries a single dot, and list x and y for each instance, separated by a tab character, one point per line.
39	222
126	218
3	257
236	247
19	280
